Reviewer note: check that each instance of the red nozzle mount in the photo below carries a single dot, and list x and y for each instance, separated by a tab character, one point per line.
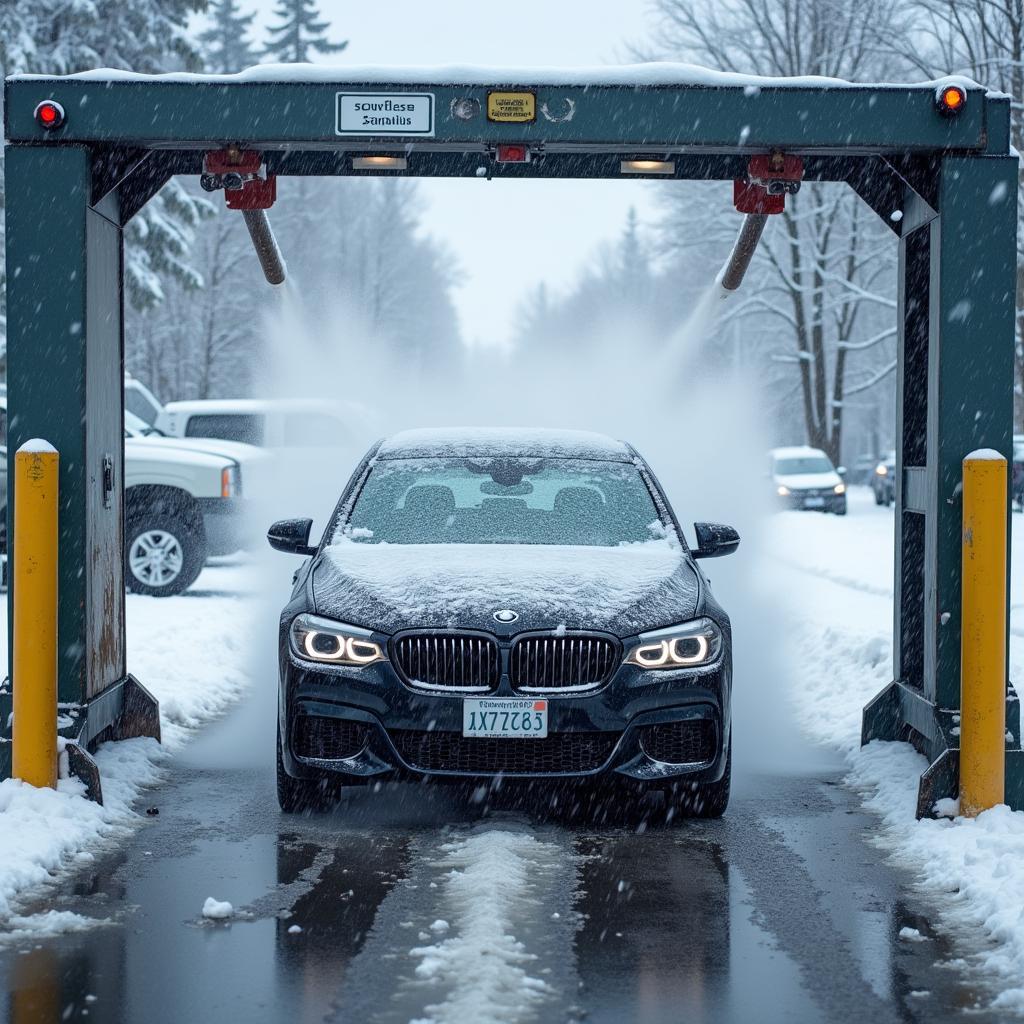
770	176
237	172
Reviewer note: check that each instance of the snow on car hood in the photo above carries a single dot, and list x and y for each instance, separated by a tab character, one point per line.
808	481
389	587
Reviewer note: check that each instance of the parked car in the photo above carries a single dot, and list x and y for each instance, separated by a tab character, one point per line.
500	603
1018	470
883	480
183	502
804	478
140	401
863	470
269	423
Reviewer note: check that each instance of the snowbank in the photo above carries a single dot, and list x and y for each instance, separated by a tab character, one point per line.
842	647
187	650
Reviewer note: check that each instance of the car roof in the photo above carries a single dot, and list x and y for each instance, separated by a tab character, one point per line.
493	442
253	406
795	452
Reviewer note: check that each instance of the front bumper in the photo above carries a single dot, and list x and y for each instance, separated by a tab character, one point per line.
395	732
813	501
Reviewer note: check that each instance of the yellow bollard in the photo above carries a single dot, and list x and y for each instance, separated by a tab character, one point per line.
983	634
34	663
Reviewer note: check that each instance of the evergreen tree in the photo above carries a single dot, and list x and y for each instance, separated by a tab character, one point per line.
65	36
301	32
225	43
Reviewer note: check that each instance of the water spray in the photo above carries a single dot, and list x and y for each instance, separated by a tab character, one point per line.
770	178
237	172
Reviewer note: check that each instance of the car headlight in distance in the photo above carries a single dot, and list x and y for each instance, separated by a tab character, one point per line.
839	488
333	643
783	491
693	643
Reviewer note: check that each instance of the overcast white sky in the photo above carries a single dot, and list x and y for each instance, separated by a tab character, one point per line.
507	236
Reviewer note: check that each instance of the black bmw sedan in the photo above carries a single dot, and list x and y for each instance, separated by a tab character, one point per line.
505	604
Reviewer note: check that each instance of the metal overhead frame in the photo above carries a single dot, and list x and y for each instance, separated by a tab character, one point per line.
945	183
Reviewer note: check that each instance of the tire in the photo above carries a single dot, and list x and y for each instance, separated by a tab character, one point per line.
704	800
840	510
879	498
297	796
164	553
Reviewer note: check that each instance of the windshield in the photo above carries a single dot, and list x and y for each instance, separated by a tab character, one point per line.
803	464
503	501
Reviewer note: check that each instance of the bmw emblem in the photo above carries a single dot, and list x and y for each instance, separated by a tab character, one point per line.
506	615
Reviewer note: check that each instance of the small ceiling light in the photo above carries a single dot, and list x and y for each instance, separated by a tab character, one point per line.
648	167
379	163
951	99
49	115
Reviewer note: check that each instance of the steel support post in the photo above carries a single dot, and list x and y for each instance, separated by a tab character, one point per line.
956	320
65	383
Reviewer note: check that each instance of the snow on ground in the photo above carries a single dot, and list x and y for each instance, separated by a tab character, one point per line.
837	576
484	971
191	653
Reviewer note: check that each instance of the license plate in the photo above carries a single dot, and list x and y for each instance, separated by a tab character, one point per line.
513	718
814	503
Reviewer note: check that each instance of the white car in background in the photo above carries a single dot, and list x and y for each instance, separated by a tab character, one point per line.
313	445
269	423
804	478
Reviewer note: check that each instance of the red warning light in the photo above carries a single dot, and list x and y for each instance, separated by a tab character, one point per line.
513	153
951	99
49	114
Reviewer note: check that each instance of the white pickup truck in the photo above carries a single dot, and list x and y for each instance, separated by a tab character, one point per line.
183	502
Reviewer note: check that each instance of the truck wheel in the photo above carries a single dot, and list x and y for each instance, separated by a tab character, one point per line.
163	554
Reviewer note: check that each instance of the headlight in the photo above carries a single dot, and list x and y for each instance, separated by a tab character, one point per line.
783	491
881	470
839	488
333	643
692	643
230	482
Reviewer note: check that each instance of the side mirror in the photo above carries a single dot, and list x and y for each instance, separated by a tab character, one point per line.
715	540
292	536
841	470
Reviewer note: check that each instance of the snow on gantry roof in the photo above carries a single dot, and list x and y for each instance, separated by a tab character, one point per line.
647	75
495	442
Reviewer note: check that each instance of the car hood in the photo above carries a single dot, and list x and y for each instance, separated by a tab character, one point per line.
237	451
390	587
808	481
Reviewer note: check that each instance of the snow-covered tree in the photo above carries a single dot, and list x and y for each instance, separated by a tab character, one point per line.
65	36
830	281
225	43
299	33
985	40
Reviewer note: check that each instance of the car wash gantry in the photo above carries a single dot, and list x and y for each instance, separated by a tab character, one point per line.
85	153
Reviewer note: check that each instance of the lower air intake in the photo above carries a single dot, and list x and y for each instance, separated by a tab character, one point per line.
689	742
566	753
328	739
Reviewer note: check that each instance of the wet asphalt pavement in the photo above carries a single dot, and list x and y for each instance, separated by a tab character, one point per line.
782	911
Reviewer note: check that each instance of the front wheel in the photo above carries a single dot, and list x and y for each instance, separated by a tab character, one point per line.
164	554
702	799
297	795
